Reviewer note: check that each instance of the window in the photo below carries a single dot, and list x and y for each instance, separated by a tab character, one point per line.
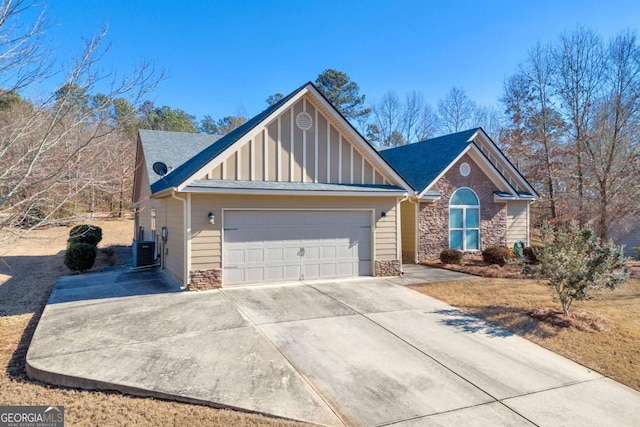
464	220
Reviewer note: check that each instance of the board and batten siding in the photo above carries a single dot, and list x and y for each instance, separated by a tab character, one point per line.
206	240
282	152
517	222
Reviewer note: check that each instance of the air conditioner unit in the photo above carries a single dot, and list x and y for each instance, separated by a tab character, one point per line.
144	253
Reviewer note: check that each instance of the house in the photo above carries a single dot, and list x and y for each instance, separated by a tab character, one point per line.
468	196
296	193
293	194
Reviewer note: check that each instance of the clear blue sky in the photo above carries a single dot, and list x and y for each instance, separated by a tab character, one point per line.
219	55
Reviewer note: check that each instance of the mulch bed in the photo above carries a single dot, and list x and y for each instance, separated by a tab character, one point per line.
473	264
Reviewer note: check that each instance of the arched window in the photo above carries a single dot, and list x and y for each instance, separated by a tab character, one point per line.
464	220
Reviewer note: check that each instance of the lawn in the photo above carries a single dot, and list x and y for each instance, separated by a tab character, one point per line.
28	272
604	333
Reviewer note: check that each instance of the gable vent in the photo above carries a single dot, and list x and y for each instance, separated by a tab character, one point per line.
304	121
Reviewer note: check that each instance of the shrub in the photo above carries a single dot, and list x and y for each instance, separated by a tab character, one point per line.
636	253
574	263
497	255
451	256
85	234
531	252
80	256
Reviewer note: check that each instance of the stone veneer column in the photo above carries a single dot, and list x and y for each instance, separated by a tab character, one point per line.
203	280
387	268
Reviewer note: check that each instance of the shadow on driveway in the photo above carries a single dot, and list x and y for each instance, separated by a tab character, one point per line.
118	282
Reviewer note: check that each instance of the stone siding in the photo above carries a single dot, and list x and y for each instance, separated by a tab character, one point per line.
203	280
433	217
385	268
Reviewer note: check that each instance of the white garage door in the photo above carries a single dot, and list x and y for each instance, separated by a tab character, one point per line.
278	246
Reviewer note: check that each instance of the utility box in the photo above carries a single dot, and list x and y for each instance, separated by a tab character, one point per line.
144	252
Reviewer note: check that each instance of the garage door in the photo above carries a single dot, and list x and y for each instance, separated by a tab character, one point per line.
278	246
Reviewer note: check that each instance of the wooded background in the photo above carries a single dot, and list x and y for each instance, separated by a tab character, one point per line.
568	118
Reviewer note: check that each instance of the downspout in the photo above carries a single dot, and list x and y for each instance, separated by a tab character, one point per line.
187	237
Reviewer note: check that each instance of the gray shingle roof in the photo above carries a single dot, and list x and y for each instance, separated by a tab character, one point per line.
171	148
192	165
420	163
293	186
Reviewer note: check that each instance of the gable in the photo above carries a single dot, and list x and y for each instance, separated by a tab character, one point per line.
279	151
497	158
423	163
141	185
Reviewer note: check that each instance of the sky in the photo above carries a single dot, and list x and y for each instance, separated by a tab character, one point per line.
221	56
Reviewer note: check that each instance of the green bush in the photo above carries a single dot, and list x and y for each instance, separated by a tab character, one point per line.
636	253
80	256
497	255
451	256
85	233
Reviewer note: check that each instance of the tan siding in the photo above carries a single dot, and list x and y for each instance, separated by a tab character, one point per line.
310	157
285	142
368	173
230	167
206	246
408	231
272	162
346	162
517	222
244	161
357	167
386	238
378	179
216	173
297	143
334	155
322	148
258	156
289	153
169	213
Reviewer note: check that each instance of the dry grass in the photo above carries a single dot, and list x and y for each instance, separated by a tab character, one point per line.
602	334
28	271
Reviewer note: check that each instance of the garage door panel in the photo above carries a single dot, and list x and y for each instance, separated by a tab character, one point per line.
270	246
273	254
311	252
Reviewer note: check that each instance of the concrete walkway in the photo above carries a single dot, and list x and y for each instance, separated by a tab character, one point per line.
351	352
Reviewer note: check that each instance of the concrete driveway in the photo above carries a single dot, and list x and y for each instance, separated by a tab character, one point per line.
351	352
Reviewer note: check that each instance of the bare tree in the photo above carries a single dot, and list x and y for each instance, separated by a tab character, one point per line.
419	120
386	124
456	111
534	130
52	153
578	59
394	122
612	149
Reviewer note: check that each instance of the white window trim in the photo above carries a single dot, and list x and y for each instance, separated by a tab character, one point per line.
464	228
